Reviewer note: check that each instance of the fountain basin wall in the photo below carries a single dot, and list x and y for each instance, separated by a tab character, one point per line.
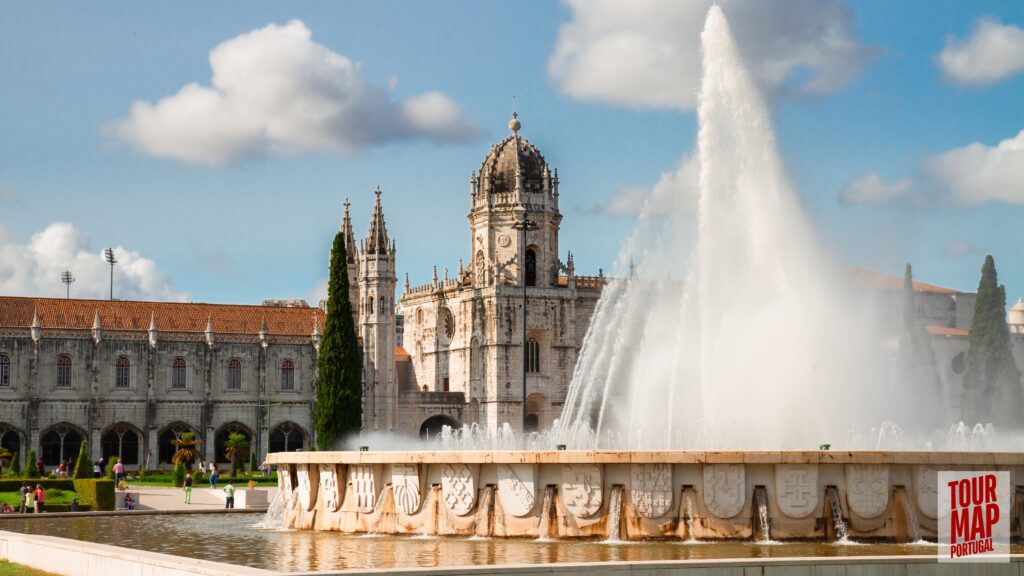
630	495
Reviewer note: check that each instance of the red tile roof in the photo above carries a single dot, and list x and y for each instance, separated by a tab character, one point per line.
885	281
947	331
170	316
400	353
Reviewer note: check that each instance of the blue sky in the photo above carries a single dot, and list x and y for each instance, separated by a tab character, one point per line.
259	223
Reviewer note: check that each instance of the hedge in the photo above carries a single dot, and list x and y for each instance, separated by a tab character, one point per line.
98	493
13	485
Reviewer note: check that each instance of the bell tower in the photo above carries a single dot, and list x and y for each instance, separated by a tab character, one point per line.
377	281
514	183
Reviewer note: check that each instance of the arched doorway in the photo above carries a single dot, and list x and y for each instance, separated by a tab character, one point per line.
536	406
60	442
221	437
10	440
122	440
287	437
431	427
173	431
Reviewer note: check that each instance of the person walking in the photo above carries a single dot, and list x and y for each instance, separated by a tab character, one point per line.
214	474
40	467
118	473
188	488
23	492
96	471
229	493
40	495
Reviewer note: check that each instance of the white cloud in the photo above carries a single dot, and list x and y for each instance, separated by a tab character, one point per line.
647	52
676	190
978	173
960	248
275	91
11	198
34	269
318	293
991	53
869	188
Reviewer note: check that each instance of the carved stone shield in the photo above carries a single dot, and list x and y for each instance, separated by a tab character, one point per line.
458	487
724	489
309	476
405	484
926	484
329	486
517	488
651	489
796	489
867	489
581	489
364	487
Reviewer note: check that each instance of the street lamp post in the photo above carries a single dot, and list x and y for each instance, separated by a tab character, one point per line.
524	226
108	255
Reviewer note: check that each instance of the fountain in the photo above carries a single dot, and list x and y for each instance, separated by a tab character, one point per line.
745	355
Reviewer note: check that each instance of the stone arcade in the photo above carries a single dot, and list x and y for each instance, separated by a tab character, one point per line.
628	495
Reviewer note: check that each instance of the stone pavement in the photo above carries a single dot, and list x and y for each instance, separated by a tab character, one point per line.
203	497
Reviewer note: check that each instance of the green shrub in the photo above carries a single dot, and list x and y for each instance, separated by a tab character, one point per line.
15	485
15	470
178	478
98	493
110	467
252	462
30	465
83	468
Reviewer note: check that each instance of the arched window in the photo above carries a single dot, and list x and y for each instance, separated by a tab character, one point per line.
122	368
121	441
531	267
58	443
286	437
178	373
63	371
234	374
532	422
287	375
369	305
5	370
532	355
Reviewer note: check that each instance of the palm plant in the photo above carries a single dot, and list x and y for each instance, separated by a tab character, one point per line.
236	447
187	452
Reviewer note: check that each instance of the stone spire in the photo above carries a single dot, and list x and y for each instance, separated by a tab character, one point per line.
406	281
377	240
97	331
263	333
152	330
350	237
316	333
209	331
37	326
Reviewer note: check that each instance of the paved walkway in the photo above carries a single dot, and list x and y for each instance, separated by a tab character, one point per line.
203	497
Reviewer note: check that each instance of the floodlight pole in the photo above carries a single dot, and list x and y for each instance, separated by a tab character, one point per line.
67	278
108	255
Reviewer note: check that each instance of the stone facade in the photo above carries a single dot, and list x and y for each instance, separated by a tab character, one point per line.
127	377
464	335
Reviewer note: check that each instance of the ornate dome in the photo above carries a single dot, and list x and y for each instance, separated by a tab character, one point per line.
498	171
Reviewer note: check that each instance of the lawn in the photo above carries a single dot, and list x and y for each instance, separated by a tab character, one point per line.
10	569
53	496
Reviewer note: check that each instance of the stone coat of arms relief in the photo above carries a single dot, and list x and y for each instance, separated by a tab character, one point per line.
724	489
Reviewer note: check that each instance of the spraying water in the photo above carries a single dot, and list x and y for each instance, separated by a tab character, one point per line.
754	340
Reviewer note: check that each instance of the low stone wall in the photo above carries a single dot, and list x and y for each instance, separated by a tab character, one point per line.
842	566
75	558
628	495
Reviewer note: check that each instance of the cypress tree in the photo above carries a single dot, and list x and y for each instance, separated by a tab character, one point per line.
339	394
83	467
15	466
992	380
921	382
30	465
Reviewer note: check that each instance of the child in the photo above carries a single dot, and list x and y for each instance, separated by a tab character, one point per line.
188	488
40	495
30	502
129	502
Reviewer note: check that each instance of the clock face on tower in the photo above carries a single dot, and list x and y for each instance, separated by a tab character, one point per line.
504	240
